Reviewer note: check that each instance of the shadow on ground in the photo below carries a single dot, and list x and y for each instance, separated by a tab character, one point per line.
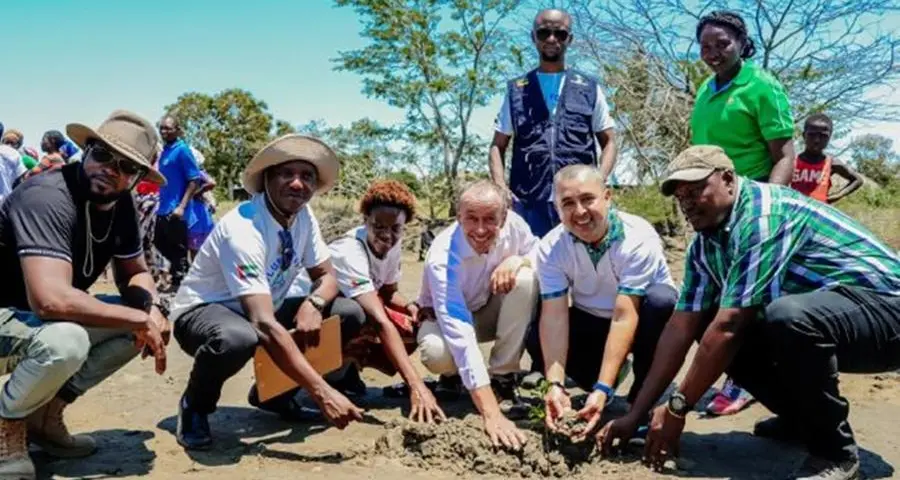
114	447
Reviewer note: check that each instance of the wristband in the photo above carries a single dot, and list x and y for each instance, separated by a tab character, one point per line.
606	389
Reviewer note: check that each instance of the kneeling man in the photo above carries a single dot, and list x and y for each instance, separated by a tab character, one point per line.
58	233
782	292
233	297
479	285
613	267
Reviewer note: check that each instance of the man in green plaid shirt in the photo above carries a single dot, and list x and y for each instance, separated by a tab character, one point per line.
782	292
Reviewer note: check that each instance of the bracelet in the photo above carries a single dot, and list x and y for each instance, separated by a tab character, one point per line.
162	308
606	389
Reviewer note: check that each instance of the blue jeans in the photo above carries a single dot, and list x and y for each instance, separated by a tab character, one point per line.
55	358
540	215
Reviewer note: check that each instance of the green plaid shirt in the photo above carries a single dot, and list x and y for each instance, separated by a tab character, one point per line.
779	242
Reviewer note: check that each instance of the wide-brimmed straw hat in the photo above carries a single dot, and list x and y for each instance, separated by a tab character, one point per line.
290	148
128	134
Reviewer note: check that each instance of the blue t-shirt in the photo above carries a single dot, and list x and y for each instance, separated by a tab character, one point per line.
178	165
550	86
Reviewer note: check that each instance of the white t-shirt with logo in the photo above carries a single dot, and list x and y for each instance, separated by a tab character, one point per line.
243	256
359	271
629	266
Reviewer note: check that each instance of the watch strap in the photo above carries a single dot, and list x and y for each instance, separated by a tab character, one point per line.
606	389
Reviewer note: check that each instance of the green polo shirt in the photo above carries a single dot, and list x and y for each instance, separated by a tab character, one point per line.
750	111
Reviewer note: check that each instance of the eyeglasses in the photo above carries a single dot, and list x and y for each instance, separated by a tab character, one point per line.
543	34
287	249
101	155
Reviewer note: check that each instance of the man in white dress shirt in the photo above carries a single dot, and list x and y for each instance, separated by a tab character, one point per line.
479	285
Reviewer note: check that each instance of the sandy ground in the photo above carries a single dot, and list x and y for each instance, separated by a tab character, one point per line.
132	417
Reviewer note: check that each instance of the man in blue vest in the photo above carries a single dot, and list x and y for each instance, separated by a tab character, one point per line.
557	116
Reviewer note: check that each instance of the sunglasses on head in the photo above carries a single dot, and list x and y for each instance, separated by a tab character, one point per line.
543	34
100	154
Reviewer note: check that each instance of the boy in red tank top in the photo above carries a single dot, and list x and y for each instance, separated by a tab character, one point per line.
813	168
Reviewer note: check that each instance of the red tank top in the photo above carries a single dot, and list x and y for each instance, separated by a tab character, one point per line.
812	179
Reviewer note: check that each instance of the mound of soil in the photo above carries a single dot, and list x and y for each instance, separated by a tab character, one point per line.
460	446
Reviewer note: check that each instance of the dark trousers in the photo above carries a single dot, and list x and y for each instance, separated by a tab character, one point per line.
790	360
587	340
222	342
540	215
170	237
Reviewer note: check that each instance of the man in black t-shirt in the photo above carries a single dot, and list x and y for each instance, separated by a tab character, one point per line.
58	233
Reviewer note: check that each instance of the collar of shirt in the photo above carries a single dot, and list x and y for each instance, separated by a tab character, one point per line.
262	206
745	74
721	233
616	233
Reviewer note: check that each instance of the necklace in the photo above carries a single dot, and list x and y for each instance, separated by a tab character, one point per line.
88	268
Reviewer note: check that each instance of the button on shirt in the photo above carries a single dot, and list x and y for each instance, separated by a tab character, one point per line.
178	165
244	255
456	282
359	271
627	261
779	242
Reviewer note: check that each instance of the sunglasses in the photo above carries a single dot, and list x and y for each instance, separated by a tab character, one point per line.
543	34
287	249
102	155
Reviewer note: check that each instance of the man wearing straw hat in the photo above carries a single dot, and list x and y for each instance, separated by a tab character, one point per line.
234	297
58	233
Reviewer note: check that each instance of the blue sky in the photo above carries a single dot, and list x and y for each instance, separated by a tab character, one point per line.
99	55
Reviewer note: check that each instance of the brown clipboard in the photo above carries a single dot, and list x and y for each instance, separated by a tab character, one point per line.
324	358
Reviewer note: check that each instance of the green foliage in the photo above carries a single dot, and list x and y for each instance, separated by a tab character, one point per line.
228	127
438	60
409	179
875	158
649	203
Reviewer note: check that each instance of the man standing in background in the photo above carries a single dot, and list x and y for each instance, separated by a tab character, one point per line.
178	165
557	116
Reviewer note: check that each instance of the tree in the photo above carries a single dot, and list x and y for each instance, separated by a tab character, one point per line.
829	55
438	60
228	128
875	158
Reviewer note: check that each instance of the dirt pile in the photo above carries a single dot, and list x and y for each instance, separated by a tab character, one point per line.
460	446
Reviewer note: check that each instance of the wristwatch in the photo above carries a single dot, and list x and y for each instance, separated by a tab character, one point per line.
678	405
318	302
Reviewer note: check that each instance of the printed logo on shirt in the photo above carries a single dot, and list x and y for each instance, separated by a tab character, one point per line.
248	271
359	282
578	80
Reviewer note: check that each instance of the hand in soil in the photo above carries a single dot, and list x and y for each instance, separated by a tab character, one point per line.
556	405
503	432
621	429
337	408
663	438
424	408
591	413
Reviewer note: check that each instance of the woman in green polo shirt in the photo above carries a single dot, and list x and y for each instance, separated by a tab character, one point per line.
742	108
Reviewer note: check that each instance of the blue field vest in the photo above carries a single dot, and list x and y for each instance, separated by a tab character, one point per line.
544	143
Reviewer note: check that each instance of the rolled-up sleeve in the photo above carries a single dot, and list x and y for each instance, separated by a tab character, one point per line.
444	281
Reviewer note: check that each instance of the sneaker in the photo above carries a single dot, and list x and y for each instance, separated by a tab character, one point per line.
449	388
292	408
192	431
815	468
779	429
730	400
507	392
350	384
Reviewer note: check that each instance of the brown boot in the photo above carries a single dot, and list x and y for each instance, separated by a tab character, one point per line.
15	464
47	430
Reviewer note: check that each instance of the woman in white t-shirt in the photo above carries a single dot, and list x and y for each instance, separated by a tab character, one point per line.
367	262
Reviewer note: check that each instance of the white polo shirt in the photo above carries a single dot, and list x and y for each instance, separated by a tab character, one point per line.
359	271
456	282
243	256
632	262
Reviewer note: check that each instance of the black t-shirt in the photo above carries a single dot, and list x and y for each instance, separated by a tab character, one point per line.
48	216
